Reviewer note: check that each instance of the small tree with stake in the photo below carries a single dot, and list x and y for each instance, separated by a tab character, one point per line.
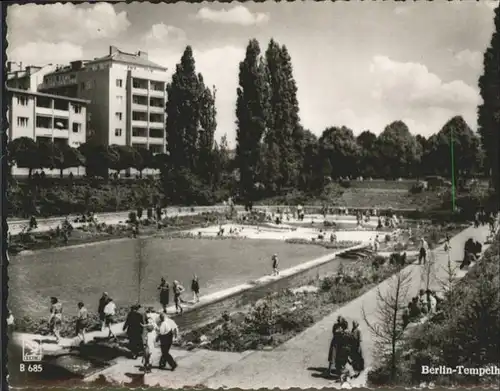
388	329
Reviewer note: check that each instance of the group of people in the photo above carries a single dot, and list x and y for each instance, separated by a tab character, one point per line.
426	302
345	347
177	290
145	331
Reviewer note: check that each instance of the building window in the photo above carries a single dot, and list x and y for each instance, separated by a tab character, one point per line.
89	85
118	116
22	100
119	82
77	109
118	132
22	122
77	127
119	98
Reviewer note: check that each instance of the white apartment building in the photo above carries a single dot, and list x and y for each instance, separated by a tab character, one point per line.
44	116
127	95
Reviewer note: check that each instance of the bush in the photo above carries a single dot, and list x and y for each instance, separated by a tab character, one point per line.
417	188
346	184
132	217
327	283
387	238
378	261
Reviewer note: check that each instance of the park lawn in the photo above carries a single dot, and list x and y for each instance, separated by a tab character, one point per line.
76	274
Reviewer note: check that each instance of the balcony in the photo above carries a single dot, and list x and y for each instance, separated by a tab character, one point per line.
139	107
157	125
139	140
157	109
139	123
156	141
158	93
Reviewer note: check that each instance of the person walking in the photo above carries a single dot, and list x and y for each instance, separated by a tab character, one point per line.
332	351
168	331
275	261
149	345
109	316
195	288
178	290
82	321
134	328
55	319
164	289
424	249
357	360
100	310
342	350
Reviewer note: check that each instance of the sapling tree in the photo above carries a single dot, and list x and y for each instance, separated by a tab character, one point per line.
387	327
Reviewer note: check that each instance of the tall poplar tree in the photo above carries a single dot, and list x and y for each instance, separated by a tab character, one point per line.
207	127
284	130
489	110
182	109
251	112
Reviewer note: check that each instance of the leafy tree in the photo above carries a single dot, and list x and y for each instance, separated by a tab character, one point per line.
143	160
466	147
184	92
252	109
489	110
208	125
67	157
23	151
368	161
283	122
398	151
339	147
98	159
47	152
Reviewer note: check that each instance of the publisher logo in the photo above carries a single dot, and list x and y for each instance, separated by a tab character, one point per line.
32	350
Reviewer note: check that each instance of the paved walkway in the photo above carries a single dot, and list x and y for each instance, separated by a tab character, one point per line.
297	363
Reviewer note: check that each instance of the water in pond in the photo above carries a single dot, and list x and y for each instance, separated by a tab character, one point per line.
83	273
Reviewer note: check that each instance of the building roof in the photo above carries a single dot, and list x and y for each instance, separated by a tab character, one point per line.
34	93
129	58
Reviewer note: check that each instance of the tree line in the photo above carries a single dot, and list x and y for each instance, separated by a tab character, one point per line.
275	152
42	154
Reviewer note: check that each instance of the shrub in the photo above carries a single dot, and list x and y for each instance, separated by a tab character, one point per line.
346	184
387	238
132	217
378	261
418	187
327	283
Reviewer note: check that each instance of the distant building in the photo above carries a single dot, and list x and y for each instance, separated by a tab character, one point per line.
28	78
126	93
44	116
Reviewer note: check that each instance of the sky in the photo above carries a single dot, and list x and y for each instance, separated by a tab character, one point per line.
357	64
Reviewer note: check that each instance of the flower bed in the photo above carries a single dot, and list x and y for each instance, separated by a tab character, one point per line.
282	315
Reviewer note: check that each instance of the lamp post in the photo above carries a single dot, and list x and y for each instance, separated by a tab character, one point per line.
452	171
